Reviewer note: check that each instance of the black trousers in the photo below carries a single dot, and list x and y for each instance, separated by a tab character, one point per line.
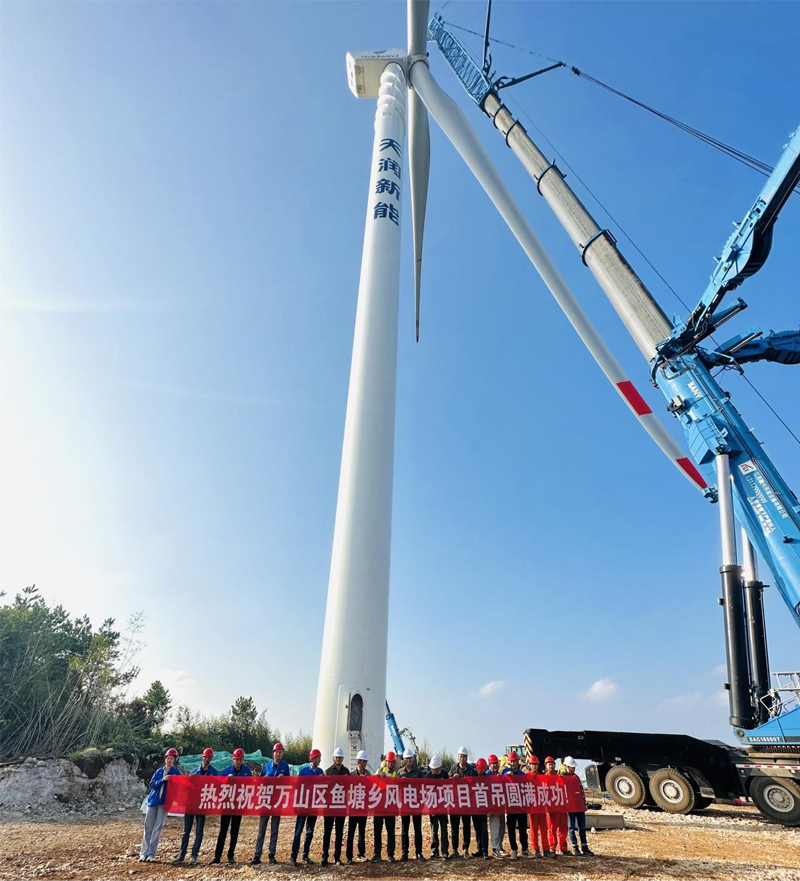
577	823
224	821
359	823
406	822
299	824
327	828
390	823
274	826
439	825
481	824
517	823
188	822
456	821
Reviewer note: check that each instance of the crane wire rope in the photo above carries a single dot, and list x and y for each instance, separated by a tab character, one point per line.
727	149
614	220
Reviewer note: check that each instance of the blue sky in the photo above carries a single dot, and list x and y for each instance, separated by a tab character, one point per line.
182	216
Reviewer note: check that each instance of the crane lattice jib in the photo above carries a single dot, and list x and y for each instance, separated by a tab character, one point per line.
471	76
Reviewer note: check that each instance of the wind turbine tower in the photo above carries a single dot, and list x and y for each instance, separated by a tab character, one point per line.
351	695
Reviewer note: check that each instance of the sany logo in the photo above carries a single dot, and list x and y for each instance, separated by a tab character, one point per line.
748	467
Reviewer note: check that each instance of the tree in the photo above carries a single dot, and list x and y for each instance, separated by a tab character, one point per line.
60	680
158	699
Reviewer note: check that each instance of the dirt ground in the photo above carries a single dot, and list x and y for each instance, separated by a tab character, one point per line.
721	842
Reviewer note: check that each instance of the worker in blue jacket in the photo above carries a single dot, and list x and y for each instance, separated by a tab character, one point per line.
154	819
204	769
276	767
516	822
237	769
312	769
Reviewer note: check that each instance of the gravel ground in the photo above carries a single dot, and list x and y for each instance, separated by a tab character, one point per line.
721	842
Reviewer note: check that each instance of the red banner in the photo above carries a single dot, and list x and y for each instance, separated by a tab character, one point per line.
373	796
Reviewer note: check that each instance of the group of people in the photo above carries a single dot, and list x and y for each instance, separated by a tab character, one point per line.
451	835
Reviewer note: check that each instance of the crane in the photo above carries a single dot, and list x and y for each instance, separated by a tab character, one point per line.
729	466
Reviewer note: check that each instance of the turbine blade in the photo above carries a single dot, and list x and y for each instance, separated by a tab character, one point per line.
456	126
419	139
419	164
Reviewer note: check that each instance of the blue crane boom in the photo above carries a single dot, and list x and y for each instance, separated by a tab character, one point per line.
394	731
740	474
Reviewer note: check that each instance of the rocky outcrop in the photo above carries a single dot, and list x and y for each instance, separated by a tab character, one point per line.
105	780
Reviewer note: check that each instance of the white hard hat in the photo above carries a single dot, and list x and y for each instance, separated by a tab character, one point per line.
463	751
436	762
362	756
408	753
338	753
570	762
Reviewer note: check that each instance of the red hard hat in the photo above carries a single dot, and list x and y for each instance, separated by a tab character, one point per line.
549	760
533	760
277	746
391	757
238	753
493	758
513	757
315	754
171	752
208	753
481	764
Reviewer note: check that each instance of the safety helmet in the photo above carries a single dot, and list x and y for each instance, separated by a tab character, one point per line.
436	762
513	757
570	762
338	753
277	746
208	753
171	752
408	753
481	765
463	751
391	757
362	756
533	760
549	760
238	753
314	754
493	758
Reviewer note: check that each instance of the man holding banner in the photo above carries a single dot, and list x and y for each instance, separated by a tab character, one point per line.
337	769
276	767
305	820
234	821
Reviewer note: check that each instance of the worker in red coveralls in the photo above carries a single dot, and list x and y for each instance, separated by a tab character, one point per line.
538	822
556	820
481	821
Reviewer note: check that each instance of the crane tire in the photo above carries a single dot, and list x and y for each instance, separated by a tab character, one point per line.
625	786
778	798
672	791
